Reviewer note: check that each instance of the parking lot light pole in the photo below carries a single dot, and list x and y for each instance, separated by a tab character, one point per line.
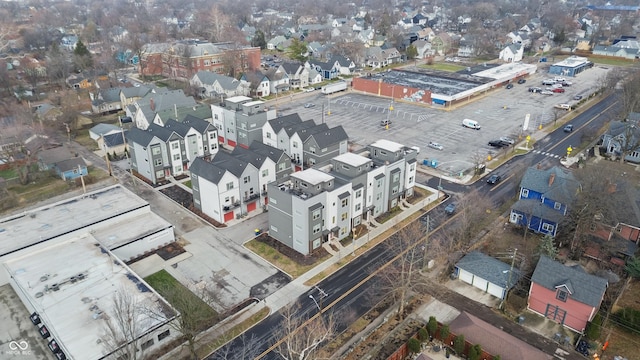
315	302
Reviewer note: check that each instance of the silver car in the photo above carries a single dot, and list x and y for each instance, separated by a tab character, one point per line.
435	145
507	140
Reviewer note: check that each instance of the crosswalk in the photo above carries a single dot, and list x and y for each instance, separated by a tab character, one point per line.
547	154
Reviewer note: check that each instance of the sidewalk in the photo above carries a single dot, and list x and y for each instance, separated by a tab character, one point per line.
297	287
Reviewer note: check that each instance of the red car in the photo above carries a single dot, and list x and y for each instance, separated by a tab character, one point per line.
558	90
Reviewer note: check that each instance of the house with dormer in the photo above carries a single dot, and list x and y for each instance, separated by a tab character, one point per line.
212	85
328	69
259	83
520	37
106	101
544	199
623	139
345	65
144	110
297	73
441	43
565	294
376	57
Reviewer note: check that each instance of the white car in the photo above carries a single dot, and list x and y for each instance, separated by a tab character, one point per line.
546	92
309	89
507	140
435	145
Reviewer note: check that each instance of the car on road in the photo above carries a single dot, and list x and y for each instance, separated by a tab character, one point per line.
577	97
509	86
521	81
309	89
507	140
498	144
546	92
558	90
435	145
494	179
309	105
450	209
568	128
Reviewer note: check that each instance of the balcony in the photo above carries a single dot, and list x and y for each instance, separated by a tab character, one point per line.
231	206
251	197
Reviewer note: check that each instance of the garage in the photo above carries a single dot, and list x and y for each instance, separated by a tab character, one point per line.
251	206
228	216
486	273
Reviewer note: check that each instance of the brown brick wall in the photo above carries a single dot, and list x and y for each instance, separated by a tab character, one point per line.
379	88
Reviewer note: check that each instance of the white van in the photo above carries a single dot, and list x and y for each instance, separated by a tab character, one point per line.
471	124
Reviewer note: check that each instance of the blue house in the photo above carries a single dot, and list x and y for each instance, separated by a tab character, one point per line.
63	162
545	196
329	70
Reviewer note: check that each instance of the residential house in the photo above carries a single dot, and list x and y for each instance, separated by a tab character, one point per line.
544	199
78	81
275	42
103	130
106	101
143	111
329	69
192	140
271	131
423	48
68	42
583	44
278	80
179	113
156	153
377	57
184	58
314	77
211	85
565	294
130	95
297	74
63	162
400	171
520	37
113	143
259	83
321	144
612	244
426	34
240	120
623	138
616	51
487	273
206	131
281	160
512	53
345	65
441	43
466	47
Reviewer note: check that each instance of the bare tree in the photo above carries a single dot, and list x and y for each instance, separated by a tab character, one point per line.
247	349
219	24
471	217
123	327
630	88
300	339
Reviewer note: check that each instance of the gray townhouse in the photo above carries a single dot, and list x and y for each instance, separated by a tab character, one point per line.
271	131
312	208
321	146
229	186
208	132
281	160
194	141
178	113
240	120
317	206
400	169
149	154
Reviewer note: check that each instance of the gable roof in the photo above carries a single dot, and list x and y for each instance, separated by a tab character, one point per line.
180	128
555	183
587	289
291	68
331	136
207	170
102	129
297	127
494	340
489	268
226	82
112	140
266	150
71	164
249	156
160	132
284	121
230	163
139	136
197	123
202	111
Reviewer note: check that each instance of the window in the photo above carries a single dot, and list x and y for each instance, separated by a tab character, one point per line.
282	166
557	205
345	202
265	172
410	179
163	335
345	167
175	145
358	194
295	144
206	148
547	227
358	207
562	295
379	183
247	179
157	162
524	193
343	217
155	150
212	135
316	214
394	190
396	177
229	186
177	169
312	149
268	135
515	218
147	344
412	167
316	228
176	157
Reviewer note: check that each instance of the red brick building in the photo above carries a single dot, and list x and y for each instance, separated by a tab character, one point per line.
182	59
380	88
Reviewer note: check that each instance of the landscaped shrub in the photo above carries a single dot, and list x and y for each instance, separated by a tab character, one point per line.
629	319
496	357
413	345
422	334
593	328
458	344
432	326
475	352
444	332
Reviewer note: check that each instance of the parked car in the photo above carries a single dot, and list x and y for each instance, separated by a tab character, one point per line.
521	81
535	89
566	83
508	140
546	92
558	90
309	89
435	145
577	97
498	143
450	209
509	86
548	82
568	128
309	105
494	179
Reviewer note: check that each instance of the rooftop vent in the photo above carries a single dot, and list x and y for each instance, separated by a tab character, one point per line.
39	294
55	287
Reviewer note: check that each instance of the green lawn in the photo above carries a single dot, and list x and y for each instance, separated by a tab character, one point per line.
443	67
611	62
8	173
188	184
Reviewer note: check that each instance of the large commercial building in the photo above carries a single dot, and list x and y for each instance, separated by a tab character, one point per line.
66	262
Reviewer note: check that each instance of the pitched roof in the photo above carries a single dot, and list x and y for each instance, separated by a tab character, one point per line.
291	68
139	136
493	340
112	140
488	268
266	150
230	163
226	82
161	132
71	164
102	129
585	288
197	123
555	183
292	129
284	121
537	209
335	135
180	128
207	170
55	155
249	156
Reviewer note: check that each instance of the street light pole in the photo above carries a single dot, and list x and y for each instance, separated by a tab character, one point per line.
315	302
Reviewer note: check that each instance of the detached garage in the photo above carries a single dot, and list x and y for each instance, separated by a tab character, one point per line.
486	273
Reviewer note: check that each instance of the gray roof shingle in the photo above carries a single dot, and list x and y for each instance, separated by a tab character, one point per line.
564	186
586	288
207	170
489	268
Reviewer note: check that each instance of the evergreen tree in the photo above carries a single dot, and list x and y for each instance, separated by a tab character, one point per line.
633	267
547	247
412	52
297	50
82	57
259	40
459	344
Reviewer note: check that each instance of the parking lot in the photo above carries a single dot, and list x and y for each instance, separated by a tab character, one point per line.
500	112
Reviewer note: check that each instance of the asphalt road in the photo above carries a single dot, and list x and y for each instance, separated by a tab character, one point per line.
349	289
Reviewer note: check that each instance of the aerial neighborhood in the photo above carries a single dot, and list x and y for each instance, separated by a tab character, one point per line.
297	180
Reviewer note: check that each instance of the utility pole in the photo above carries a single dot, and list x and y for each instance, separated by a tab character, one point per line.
513	260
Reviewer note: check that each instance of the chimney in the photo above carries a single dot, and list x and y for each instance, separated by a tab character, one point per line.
152	104
551	178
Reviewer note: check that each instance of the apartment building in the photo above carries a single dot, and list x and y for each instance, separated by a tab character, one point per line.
240	120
